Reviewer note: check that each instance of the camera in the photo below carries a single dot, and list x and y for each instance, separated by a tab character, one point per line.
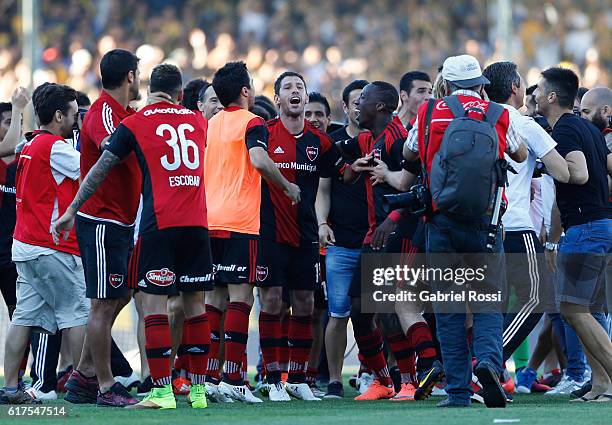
417	200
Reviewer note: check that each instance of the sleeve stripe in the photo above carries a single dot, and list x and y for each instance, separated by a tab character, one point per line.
107	119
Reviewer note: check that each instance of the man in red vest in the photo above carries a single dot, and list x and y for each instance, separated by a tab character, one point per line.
51	284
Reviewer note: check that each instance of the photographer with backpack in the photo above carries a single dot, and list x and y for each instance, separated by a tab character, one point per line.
461	141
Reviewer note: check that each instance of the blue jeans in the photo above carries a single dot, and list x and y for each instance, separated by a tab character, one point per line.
340	264
445	235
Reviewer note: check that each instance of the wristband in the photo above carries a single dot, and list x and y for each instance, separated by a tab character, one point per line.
395	216
324	224
549	246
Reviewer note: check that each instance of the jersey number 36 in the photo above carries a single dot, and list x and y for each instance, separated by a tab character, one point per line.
181	146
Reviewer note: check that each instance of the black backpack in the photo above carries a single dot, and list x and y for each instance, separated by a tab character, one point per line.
464	172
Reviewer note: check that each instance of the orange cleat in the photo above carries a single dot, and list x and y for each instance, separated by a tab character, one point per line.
376	391
284	376
180	386
406	393
509	386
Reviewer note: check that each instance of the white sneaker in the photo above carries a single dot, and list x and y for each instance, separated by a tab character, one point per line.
364	382
301	391
277	392
39	395
565	386
317	392
214	395
438	392
128	381
238	393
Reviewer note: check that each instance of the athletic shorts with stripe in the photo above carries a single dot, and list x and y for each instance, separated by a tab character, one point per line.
169	261
234	257
105	249
293	268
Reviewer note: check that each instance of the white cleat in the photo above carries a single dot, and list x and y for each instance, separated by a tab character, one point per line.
317	392
301	391
39	395
364	382
277	392
214	395
238	393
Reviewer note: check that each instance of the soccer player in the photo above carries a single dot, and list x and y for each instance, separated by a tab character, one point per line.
317	111
415	89
105	228
208	101
191	93
236	157
173	250
288	251
47	177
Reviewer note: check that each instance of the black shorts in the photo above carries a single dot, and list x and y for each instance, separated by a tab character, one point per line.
105	250
8	284
234	257
294	268
320	295
173	260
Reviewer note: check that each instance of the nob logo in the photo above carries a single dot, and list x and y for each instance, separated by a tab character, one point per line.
312	152
115	280
262	273
163	277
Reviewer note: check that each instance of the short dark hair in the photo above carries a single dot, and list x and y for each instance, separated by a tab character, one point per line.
407	79
191	92
387	93
353	85
202	92
49	98
581	92
115	66
260	111
564	82
5	107
82	99
166	78
501	76
285	74
229	81
316	97
529	91
267	104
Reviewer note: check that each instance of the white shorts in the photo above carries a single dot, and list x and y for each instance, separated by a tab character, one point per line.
51	293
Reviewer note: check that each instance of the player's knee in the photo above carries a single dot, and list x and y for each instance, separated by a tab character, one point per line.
271	300
103	309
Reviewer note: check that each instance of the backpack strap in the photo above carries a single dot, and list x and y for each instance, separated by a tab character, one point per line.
455	106
494	112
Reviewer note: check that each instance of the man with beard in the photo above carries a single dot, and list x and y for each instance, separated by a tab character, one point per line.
105	228
596	106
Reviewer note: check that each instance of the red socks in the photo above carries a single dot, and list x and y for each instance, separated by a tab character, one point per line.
300	343
236	336
421	341
159	348
283	348
195	345
311	375
214	320
371	348
270	340
404	356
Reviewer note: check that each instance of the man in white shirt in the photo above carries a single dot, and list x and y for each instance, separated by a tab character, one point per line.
527	276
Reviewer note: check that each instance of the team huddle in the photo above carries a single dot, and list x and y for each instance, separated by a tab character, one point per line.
188	210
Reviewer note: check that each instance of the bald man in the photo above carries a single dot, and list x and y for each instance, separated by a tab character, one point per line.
596	106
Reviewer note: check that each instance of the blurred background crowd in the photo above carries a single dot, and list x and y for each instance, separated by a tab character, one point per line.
330	42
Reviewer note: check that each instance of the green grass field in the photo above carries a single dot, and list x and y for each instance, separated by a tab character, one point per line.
526	409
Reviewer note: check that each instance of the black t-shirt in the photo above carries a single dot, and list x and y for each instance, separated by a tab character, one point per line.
348	213
581	204
7	210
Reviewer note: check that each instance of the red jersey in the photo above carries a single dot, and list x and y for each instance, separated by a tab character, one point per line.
37	194
118	197
301	159
169	142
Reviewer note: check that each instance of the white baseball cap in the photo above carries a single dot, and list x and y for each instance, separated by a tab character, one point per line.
463	71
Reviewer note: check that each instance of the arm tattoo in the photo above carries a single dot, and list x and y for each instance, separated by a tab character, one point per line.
94	178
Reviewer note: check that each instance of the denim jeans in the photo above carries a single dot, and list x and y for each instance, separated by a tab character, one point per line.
340	264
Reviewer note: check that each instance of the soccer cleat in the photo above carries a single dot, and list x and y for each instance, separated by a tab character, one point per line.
316	391
448	403
565	387
492	391
197	396
551	378
180	386
335	390
278	392
238	393
158	398
213	394
435	375
508	383
144	388
116	396
81	389
582	391
406	393
376	391
19	397
128	382
539	388
39	395
525	378
301	391
364	382
62	377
